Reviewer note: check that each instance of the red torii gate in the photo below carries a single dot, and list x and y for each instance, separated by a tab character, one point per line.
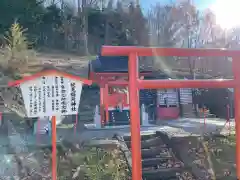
135	84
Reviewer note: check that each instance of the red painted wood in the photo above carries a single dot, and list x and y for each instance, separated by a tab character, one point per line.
135	117
152	51
236	73
49	72
115	98
167	113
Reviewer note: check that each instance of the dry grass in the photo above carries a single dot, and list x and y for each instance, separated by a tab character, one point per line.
210	157
222	150
75	162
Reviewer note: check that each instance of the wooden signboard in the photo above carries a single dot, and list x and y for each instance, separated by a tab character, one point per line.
51	93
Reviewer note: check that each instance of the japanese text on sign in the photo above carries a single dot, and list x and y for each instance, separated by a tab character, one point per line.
51	95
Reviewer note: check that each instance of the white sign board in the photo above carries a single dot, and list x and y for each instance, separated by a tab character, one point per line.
51	96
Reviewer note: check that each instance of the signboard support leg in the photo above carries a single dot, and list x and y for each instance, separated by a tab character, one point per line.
38	130
1	122
106	103
102	105
228	119
204	116
54	148
76	123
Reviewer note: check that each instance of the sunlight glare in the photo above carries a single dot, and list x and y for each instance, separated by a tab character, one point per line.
227	13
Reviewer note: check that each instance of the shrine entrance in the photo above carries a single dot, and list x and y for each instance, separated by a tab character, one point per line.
114	97
135	84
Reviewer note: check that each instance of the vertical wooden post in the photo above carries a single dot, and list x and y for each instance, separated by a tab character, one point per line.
228	119
101	107
54	148
76	123
106	91
204	116
236	73
135	117
38	129
1	120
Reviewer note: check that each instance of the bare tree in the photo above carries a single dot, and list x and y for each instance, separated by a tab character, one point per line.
160	25
194	30
164	32
139	25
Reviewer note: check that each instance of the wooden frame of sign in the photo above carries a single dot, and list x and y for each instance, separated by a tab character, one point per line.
51	93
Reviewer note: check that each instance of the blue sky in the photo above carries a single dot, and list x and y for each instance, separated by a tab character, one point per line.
201	4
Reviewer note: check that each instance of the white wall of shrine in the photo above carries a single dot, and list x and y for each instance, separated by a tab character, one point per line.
186	96
169	97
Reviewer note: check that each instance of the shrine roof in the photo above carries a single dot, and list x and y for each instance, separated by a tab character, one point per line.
118	64
49	71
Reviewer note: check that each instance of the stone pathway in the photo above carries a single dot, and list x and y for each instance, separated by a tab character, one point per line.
182	127
197	126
